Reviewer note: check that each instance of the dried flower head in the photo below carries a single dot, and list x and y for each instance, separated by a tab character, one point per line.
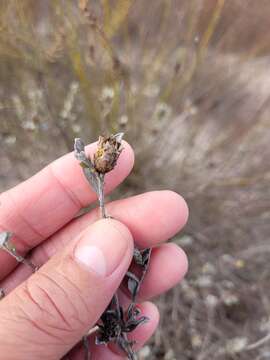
116	324
107	153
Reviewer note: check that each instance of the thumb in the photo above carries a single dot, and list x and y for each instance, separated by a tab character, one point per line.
51	311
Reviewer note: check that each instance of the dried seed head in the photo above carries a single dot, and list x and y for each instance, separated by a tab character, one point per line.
107	154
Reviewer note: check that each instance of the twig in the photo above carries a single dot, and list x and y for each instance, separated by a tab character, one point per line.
86	347
258	343
101	196
93	330
7	246
207	339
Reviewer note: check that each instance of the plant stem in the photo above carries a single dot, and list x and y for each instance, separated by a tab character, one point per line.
101	200
86	347
101	197
93	330
11	250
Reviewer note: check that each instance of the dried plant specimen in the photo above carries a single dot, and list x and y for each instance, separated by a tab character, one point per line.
105	159
115	323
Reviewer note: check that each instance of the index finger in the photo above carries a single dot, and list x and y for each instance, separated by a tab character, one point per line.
40	206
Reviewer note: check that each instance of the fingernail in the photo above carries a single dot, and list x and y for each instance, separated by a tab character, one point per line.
102	248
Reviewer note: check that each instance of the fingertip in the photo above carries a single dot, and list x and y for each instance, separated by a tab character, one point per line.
180	258
169	260
142	333
179	208
103	248
115	228
176	262
129	152
171	212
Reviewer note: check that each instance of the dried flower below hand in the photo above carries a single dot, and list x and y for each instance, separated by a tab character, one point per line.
114	323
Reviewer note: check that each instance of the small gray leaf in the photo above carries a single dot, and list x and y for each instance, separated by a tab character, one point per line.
88	168
133	284
92	178
78	145
4	237
118	137
137	256
80	154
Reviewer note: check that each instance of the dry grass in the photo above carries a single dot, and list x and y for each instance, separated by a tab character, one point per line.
189	83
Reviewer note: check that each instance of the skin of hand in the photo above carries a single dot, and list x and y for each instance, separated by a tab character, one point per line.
83	259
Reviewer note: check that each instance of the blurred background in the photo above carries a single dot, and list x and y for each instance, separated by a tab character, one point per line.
188	81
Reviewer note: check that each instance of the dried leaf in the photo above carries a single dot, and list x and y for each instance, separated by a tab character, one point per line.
79	152
146	253
126	346
78	145
137	256
133	284
4	237
88	168
118	137
132	324
133	311
142	257
92	179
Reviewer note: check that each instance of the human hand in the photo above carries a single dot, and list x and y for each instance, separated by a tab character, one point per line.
45	314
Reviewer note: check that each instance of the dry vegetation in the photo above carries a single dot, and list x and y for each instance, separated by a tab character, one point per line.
188	81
